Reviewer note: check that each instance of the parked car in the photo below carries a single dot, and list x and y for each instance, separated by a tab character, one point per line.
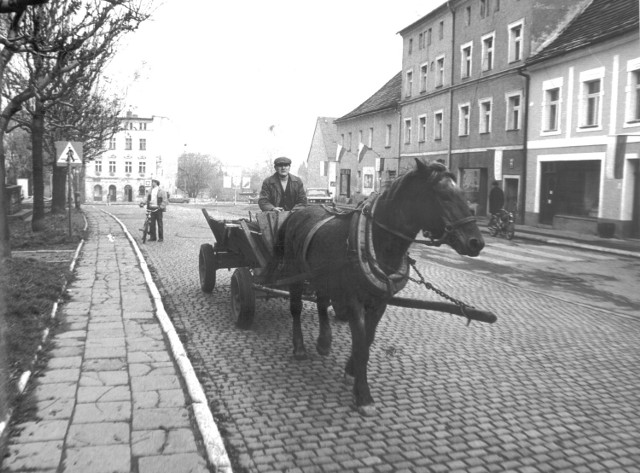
319	196
178	199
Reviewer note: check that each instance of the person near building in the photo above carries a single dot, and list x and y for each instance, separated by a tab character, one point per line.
496	198
157	203
282	191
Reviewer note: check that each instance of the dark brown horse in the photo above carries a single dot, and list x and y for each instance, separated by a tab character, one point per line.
356	262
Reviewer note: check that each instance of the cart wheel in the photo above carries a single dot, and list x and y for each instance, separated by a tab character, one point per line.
493	231
207	268
243	297
511	231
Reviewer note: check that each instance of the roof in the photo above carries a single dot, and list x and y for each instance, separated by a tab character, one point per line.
329	134
429	16
599	21
385	98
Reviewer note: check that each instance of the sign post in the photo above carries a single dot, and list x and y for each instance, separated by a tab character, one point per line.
69	154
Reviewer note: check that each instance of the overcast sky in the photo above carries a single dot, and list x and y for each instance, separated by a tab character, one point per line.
226	73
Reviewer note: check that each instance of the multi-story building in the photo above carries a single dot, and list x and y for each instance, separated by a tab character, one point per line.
131	159
321	160
368	146
584	124
463	93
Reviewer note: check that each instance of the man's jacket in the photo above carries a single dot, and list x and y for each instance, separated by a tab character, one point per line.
273	195
162	200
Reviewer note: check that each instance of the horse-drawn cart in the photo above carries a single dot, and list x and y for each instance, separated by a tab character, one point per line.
248	247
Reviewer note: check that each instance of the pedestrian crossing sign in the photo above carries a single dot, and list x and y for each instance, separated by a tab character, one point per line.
69	152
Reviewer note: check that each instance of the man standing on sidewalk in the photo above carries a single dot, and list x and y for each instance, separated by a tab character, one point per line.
157	203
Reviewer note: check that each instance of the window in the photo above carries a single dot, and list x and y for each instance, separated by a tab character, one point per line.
591	104
98	166
142	167
463	124
515	41
360	136
408	84
420	41
143	126
143	144
429	37
483	8
422	132
467	16
437	125
407	131
342	139
424	70
551	106
370	145
485	116
441	30
112	142
350	140
487	51
513	111
633	94
497	8
410	45
465	56
440	71
127	167
387	136
112	167
127	143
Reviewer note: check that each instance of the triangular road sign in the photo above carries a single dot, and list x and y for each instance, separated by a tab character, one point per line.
69	152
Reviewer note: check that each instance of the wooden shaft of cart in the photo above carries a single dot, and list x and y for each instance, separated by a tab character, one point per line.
469	312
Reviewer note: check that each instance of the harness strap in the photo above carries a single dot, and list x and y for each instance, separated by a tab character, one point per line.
307	241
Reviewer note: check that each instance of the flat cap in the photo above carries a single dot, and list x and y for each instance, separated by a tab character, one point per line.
282	160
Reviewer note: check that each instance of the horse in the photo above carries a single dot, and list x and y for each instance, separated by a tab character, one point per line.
357	260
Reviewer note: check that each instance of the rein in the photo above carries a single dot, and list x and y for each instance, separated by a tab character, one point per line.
369	212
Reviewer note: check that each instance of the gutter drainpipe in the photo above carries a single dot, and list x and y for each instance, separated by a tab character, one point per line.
453	44
525	136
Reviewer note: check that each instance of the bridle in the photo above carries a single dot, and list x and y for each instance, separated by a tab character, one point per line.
369	212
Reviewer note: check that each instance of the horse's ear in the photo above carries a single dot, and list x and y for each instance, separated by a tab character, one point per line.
420	165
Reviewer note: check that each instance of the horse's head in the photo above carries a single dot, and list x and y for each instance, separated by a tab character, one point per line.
440	209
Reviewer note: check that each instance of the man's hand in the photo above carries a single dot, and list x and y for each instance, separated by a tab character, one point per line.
278	209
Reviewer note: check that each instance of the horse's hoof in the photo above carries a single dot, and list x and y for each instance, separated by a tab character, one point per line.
323	350
300	354
367	411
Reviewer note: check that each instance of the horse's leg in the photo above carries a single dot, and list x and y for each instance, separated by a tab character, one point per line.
357	364
323	345
295	305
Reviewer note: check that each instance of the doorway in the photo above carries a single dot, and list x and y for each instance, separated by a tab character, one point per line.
111	197
635	212
128	193
511	189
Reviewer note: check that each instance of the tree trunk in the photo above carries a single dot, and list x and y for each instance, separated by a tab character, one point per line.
37	136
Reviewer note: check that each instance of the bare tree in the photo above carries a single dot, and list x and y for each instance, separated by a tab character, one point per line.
196	172
66	62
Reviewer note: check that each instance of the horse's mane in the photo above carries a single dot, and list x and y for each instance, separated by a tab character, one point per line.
431	172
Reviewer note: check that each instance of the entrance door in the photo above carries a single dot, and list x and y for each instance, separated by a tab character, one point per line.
345	182
511	194
548	184
128	193
112	194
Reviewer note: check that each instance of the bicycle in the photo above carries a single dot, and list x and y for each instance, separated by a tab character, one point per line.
147	223
502	223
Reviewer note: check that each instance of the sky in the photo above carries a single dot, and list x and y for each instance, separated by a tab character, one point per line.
245	81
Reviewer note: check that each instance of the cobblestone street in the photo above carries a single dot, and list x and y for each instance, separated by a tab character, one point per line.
551	386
